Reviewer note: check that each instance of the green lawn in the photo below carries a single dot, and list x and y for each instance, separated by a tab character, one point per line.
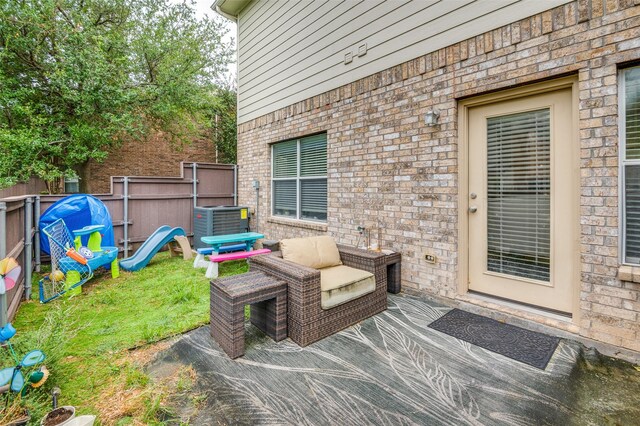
88	337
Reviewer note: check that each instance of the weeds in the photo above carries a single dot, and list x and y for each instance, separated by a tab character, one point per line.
87	338
54	333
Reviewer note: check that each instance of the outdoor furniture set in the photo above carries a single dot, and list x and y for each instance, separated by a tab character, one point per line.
308	290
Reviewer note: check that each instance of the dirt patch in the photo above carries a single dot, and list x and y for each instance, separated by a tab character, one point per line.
146	354
132	395
57	416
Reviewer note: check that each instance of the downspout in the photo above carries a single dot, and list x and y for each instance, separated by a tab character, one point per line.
3	253
28	246
257	206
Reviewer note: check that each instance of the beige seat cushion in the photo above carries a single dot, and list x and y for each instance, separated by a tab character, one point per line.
340	284
314	252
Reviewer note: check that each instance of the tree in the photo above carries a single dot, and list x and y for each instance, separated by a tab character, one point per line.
78	77
223	117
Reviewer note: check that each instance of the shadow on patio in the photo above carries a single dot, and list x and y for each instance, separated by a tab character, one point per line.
393	369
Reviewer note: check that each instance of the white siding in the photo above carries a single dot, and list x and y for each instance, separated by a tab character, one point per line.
290	50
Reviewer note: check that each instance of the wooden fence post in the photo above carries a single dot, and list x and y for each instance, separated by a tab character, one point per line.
125	214
3	253
235	184
28	246
36	221
194	167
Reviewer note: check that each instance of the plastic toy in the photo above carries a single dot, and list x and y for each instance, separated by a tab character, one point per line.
180	246
72	253
70	268
80	211
9	274
12	378
150	247
85	252
56	276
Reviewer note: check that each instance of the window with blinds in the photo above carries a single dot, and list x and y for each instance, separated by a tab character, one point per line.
630	95
299	178
519	194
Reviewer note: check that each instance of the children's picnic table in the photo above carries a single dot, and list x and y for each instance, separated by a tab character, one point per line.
246	240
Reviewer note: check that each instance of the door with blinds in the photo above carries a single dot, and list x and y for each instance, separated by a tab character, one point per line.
523	196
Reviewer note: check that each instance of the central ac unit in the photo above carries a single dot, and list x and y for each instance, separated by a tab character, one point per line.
220	220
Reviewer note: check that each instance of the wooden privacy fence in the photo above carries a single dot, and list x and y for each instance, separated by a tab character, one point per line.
33	186
18	235
138	206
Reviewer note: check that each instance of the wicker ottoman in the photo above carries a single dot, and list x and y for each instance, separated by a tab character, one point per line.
268	299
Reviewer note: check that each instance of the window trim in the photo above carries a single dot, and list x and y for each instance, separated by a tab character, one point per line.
298	179
622	163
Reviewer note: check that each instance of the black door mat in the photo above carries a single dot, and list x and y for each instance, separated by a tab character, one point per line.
514	342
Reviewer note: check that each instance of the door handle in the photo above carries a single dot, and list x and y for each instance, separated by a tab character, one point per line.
473	209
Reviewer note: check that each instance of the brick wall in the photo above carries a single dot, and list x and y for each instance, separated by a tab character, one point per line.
386	168
156	156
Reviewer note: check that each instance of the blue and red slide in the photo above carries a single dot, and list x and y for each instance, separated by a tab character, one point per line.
149	248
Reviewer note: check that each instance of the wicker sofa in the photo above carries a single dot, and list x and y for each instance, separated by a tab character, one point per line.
307	321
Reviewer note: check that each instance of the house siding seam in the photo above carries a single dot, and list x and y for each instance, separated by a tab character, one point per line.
386	167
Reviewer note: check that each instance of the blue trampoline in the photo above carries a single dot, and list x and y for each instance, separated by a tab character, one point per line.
78	211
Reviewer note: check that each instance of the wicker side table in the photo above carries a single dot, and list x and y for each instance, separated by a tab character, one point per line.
268	299
394	269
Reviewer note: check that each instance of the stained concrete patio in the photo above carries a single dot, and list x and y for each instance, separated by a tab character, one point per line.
393	369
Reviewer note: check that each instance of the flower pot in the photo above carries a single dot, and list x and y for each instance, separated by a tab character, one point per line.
81	421
60	416
22	421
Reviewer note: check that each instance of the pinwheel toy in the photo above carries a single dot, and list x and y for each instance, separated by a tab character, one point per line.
12	377
9	273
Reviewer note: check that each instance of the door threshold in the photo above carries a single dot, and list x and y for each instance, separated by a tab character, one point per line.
522	307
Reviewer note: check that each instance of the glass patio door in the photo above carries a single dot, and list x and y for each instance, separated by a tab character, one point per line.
522	200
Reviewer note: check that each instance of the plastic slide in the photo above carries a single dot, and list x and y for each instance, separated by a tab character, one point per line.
149	248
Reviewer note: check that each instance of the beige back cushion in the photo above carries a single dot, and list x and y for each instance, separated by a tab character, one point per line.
314	252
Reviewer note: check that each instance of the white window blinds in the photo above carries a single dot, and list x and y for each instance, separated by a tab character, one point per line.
300	178
313	156
631	164
632	213
518	190
285	159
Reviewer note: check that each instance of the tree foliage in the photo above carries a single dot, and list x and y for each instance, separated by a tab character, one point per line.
225	130
78	77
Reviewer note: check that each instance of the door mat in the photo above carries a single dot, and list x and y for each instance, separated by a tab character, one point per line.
513	342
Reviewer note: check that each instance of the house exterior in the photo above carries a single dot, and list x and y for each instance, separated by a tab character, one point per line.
494	143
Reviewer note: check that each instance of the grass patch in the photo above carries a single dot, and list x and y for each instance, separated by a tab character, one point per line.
87	338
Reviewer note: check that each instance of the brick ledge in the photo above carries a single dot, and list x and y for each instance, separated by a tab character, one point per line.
629	273
298	223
